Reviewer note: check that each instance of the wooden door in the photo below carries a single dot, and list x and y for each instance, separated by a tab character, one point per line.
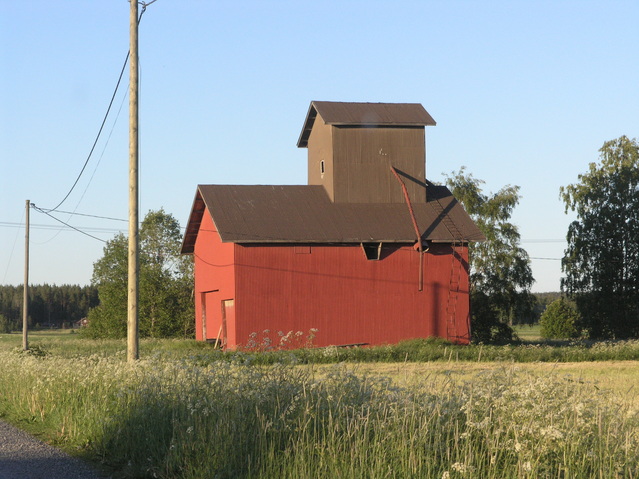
228	316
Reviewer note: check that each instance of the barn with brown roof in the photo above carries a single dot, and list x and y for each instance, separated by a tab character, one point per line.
369	252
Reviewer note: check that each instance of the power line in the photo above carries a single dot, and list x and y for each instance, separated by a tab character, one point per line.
91	216
103	151
117	86
12	249
95	169
66	224
40	226
96	138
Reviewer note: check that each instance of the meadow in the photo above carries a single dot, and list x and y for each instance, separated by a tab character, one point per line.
187	411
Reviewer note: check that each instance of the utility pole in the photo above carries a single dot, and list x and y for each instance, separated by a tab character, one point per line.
25	289
133	344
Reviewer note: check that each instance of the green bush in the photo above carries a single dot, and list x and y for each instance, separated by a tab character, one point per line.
5	325
560	320
486	325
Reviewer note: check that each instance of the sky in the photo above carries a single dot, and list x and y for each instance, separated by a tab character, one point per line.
524	93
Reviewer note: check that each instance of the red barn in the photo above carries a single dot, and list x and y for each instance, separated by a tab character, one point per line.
369	252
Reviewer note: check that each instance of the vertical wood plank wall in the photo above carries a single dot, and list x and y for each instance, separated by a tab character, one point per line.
214	279
348	298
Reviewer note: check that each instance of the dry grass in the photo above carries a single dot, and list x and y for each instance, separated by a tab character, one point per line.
177	415
621	377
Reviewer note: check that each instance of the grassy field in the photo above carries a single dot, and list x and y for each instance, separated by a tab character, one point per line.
187	411
528	333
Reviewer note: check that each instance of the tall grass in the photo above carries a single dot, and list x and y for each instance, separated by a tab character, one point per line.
227	419
64	344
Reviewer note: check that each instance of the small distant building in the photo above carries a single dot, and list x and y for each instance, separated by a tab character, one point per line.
81	323
369	252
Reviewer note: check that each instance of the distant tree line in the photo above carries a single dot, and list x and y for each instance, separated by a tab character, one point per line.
49	305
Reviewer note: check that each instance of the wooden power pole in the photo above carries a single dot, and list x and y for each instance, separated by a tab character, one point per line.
25	290
133	352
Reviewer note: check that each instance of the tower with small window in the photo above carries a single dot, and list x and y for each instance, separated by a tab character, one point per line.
352	146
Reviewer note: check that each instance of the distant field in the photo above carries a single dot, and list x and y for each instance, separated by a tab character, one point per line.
528	333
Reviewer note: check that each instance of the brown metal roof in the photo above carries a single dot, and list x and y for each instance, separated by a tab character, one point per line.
305	214
364	114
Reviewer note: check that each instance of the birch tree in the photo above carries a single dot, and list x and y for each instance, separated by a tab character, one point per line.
601	261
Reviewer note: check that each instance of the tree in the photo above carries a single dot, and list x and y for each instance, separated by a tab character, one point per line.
560	320
500	273
601	261
49	305
5	324
165	307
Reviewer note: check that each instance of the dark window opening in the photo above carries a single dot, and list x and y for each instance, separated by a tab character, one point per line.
372	251
322	169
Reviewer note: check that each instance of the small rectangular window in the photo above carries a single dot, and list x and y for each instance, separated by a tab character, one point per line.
372	251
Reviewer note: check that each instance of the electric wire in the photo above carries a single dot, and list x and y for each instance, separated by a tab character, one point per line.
48	211
117	86
12	250
66	224
117	117
95	169
44	226
92	216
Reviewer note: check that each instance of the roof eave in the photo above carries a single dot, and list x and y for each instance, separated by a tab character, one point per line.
193	224
302	141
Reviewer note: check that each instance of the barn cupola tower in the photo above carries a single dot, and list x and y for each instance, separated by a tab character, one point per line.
352	146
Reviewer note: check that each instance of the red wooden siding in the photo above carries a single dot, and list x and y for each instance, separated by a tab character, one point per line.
214	282
348	298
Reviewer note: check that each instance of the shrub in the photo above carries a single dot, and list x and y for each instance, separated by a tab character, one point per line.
486	325
5	325
560	320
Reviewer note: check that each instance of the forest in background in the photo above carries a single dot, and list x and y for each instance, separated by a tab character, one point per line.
58	306
50	306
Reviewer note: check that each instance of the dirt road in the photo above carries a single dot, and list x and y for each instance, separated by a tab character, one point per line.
24	457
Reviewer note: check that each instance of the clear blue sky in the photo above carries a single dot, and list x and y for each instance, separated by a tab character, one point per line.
524	93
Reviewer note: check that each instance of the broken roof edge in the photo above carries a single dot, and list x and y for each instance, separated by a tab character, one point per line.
364	114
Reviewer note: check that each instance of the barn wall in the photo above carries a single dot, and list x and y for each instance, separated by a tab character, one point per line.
214	281
320	148
362	164
348	298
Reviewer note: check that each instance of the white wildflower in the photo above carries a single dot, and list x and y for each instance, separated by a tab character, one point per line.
459	467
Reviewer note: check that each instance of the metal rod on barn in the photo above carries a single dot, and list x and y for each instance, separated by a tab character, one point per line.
133	344
25	289
420	246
